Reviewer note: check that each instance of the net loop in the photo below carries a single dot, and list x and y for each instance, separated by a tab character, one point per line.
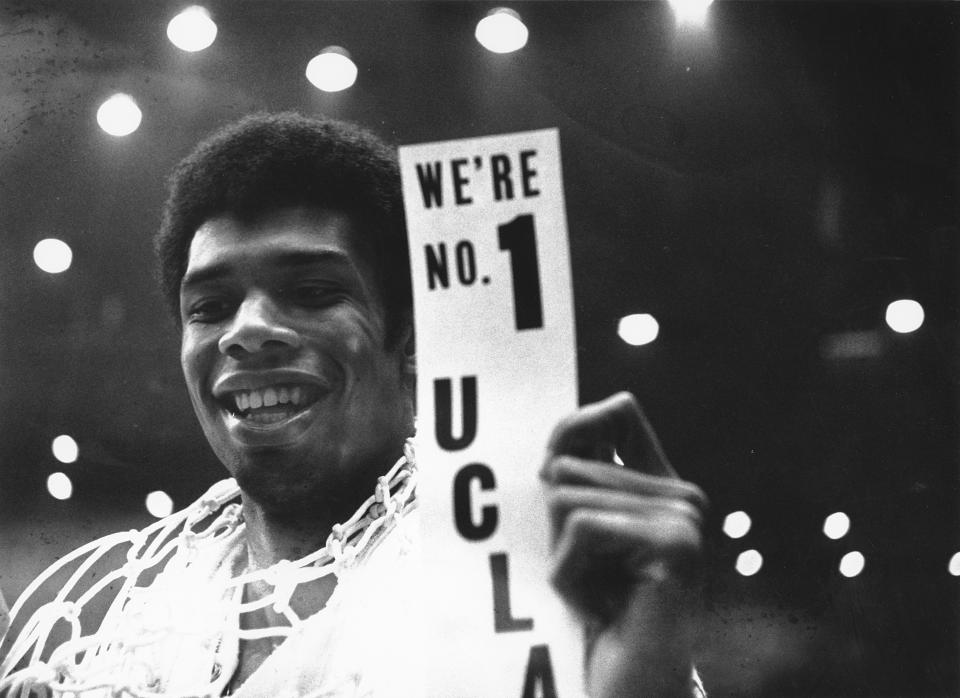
142	621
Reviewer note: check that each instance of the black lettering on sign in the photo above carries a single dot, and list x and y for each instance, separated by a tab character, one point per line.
539	672
438	271
430	177
463	503
503	620
460	181
502	184
466	263
527	172
519	238
443	409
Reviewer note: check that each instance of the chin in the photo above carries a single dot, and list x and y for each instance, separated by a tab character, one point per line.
300	489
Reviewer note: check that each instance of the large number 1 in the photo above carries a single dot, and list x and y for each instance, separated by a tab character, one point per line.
518	238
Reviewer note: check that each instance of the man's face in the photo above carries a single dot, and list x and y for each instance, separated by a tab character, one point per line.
284	356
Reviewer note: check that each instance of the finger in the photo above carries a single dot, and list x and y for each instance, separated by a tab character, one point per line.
602	555
563	501
595	430
569	470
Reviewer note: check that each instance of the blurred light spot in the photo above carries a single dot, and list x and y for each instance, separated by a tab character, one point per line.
332	70
65	449
113	310
502	31
954	566
192	29
59	486
691	12
737	524
119	115
638	329
749	562
52	256
851	345
852	564
836	526
159	504
904	316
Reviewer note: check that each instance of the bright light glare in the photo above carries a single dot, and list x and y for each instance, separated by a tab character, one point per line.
192	29
119	115
59	486
852	564
836	526
52	256
904	316
691	12
638	329
332	70
65	449
749	562
159	504
954	566
502	31
737	524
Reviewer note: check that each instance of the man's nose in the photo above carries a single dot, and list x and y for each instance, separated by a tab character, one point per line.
258	325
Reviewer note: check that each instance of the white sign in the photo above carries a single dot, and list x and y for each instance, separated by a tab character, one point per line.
496	359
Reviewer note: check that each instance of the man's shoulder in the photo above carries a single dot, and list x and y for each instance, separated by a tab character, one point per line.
72	598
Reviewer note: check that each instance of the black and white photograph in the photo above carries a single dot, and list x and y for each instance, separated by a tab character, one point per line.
469	349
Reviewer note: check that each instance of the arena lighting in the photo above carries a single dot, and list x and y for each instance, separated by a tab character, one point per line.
159	504
52	256
852	564
954	565
502	31
638	329
332	70
65	449
192	30
749	562
119	115
691	12
904	316
836	526
59	486
737	524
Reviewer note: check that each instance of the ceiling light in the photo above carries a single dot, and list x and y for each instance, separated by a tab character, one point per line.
192	30
904	316
65	449
119	115
502	31
52	256
638	329
332	70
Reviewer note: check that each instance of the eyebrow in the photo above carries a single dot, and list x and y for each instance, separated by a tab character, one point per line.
297	258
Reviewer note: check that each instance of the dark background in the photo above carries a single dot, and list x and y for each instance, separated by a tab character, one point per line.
764	188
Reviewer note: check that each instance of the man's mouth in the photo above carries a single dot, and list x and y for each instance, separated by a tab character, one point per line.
271	404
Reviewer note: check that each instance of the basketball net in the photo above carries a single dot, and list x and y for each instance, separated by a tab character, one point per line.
110	661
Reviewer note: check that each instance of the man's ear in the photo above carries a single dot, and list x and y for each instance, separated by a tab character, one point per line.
410	352
408	344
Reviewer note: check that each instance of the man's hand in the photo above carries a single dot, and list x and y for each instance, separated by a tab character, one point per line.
627	542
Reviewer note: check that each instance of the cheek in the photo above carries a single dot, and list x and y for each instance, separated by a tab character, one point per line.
193	360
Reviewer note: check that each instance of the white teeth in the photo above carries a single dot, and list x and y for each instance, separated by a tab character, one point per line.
269	397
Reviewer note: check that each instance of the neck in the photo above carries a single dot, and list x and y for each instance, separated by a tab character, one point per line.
271	538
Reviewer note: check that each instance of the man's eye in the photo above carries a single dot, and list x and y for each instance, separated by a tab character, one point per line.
314	295
208	310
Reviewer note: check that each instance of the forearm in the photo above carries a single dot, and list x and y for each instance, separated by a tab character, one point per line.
649	651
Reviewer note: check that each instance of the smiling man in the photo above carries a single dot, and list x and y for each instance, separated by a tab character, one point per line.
283	255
